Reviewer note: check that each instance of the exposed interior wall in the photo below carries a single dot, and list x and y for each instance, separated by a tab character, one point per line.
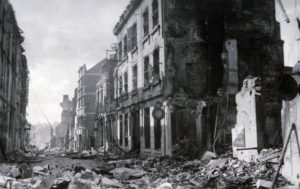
196	36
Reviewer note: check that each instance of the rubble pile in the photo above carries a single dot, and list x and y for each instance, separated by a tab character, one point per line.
208	172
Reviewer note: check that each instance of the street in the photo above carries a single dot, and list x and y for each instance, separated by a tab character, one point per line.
87	171
155	94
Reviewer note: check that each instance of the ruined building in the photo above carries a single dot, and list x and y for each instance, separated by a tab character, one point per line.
86	106
64	128
180	64
105	127
72	137
13	83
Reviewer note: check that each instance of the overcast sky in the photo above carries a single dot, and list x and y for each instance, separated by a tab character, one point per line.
61	35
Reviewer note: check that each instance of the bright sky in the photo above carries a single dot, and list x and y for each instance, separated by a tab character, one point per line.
61	35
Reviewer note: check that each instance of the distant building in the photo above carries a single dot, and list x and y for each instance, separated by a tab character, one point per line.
86	106
105	127
13	82
65	126
72	137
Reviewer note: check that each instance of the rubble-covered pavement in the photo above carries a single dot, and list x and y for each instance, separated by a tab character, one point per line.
62	170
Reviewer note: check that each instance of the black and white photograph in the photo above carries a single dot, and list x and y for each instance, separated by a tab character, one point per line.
149	94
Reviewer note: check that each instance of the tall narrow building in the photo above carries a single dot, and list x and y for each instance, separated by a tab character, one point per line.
86	106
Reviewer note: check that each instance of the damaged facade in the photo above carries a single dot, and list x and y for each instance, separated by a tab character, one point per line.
105	126
13	83
86	106
62	137
187	60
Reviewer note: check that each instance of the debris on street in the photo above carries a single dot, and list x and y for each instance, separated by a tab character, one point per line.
211	171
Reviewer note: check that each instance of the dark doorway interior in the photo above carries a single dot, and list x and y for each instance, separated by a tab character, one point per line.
147	127
157	134
136	130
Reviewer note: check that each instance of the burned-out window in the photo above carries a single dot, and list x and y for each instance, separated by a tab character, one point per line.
155	13
120	85
156	69
120	50
132	37
146	22
146	71
125	45
134	77
125	82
